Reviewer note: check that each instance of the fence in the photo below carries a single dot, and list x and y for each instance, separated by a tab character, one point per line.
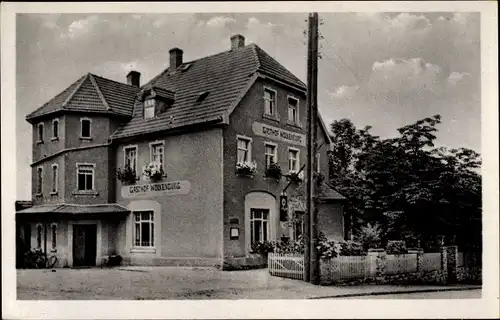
431	262
460	258
401	263
350	267
286	265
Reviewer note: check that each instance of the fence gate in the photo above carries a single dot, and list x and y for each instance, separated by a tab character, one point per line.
286	265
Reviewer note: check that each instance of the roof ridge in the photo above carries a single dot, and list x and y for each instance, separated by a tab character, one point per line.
256	54
78	86
99	92
122	83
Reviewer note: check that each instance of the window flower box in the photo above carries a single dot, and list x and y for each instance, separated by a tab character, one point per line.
246	168
153	172
127	175
296	177
273	171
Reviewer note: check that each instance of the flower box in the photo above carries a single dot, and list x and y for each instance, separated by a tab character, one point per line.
127	175
273	171
246	168
153	172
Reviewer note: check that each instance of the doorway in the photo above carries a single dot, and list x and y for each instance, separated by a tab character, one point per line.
84	245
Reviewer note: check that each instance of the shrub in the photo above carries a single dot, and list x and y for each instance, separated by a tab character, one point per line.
246	168
352	248
396	247
370	236
263	248
273	171
126	175
153	171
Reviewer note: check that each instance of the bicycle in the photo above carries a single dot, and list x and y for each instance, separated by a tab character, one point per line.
38	260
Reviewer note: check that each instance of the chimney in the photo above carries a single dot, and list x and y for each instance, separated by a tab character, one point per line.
134	78
175	58
237	41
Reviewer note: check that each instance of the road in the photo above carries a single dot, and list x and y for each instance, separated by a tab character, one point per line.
465	294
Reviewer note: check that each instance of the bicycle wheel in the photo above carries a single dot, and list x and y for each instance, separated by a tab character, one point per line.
52	262
40	262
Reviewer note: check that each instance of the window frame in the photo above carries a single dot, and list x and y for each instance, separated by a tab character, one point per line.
153	106
78	164
273	144
290	121
55	137
297	159
152	234
261	219
151	149
130	147
39	180
40	134
55	182
275	106
318	165
53	235
249	147
296	223
81	128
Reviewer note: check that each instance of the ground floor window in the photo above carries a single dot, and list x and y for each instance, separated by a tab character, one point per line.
298	225
39	236
144	229
53	228
259	230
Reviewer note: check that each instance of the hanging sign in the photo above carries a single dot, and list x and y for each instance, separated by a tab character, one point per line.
283	208
276	133
169	188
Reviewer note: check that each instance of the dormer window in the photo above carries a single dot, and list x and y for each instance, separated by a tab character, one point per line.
149	108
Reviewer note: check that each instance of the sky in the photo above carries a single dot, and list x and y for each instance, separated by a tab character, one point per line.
385	70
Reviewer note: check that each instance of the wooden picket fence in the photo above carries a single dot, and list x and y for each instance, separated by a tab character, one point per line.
286	265
350	267
401	263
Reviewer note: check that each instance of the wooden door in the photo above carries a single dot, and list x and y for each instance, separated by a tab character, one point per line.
84	245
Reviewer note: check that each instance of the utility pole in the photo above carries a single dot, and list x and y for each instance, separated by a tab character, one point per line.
314	269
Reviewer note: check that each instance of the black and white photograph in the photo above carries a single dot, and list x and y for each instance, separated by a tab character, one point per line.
312	155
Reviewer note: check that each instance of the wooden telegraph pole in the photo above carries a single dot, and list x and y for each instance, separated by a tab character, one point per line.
311	266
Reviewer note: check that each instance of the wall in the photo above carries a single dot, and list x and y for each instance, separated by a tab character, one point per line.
100	130
47	195
190	224
331	220
49	145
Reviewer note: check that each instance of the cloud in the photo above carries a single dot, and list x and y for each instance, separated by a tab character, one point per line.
343	91
461	17
80	27
219	22
456	77
50	20
408	21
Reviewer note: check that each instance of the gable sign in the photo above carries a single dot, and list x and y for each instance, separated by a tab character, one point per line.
156	189
276	133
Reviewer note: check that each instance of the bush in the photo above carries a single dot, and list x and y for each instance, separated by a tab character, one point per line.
396	247
352	248
263	248
273	171
126	175
370	236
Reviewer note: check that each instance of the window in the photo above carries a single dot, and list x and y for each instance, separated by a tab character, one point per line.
85	128
149	108
131	157
39	236
269	102
55	128
55	183
144	229
258	225
53	229
318	166
293	160
298	225
39	180
270	154
157	152
85	179
293	110
244	150
40	132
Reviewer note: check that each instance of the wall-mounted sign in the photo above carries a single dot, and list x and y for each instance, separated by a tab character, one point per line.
275	133
283	208
169	188
234	233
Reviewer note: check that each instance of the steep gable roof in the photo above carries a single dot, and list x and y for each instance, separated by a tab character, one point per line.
91	93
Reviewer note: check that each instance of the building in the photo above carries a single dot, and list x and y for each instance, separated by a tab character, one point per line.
149	172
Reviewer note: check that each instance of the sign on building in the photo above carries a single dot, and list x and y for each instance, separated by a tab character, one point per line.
276	133
283	208
156	189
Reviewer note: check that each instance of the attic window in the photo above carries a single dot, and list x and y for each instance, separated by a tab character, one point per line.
202	96
149	108
186	66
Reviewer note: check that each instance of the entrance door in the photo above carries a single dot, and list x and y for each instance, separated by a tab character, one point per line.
84	245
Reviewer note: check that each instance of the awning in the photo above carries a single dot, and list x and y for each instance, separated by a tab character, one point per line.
74	209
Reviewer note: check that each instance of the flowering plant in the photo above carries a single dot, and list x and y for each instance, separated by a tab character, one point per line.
246	168
153	171
273	171
126	175
296	177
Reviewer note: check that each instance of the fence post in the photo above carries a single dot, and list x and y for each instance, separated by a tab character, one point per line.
420	259
372	262
444	263
452	263
381	263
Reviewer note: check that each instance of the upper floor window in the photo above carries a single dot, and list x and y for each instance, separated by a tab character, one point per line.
244	149
149	108
157	152
271	156
40	132
55	182
293	160
85	177
85	130
131	157
39	182
55	128
293	110
270	102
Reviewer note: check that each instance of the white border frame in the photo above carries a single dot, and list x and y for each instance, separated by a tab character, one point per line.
93	176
